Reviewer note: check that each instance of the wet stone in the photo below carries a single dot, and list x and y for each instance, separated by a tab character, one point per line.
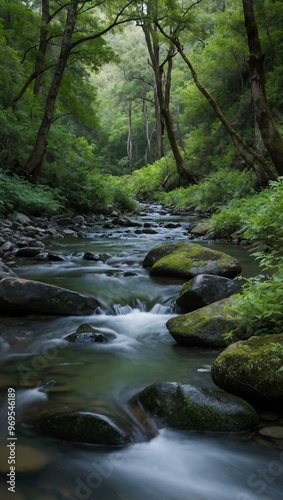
275	432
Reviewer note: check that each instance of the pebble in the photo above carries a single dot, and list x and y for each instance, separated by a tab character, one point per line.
274	431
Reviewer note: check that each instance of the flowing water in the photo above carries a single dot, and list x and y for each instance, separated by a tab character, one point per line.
49	372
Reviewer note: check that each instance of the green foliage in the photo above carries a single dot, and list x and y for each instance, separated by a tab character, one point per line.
257	217
17	194
259	305
217	190
149	180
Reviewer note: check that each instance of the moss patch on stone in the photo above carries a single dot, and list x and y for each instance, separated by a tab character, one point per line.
83	427
186	260
189	408
251	369
207	326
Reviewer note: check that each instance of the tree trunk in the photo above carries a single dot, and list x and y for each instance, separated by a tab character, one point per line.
129	139
40	57
269	132
33	165
263	173
163	93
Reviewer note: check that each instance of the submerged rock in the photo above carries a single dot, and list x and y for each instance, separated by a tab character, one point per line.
83	427
208	326
86	333
21	297
185	407
251	369
28	459
205	289
186	260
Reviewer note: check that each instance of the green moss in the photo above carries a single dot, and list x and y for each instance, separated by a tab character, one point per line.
189	408
186	260
251	369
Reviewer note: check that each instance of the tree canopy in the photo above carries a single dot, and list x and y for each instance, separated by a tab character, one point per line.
90	88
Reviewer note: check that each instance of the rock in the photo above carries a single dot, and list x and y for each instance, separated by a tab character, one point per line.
205	289
172	225
22	297
83	427
189	408
28	459
149	231
5	271
186	260
275	431
29	252
7	246
207	326
22	218
86	333
251	369
91	256
203	228
41	256
64	221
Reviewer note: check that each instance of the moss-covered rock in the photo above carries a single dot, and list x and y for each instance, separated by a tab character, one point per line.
83	427
207	327
251	370
186	260
21	296
205	289
203	228
189	408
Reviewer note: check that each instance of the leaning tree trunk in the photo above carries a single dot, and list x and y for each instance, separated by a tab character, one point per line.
34	163
263	173
269	132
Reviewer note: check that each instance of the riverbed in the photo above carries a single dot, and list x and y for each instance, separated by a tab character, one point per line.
49	372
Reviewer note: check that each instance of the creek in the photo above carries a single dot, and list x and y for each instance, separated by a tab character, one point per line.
49	372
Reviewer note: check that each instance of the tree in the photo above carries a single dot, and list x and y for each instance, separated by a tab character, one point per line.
249	154
269	132
162	70
118	13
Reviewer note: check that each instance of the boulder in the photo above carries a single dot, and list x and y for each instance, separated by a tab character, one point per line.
185	407
21	297
251	369
208	326
5	271
29	252
186	260
205	289
83	427
203	228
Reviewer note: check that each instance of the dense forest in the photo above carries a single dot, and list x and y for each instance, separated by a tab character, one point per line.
182	98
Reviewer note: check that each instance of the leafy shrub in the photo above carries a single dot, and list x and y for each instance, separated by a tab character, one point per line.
257	217
259	305
17	194
212	193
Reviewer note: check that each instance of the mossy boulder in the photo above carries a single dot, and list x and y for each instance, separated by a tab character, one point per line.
205	289
203	228
21	297
185	407
186	260
208	326
83	427
251	369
